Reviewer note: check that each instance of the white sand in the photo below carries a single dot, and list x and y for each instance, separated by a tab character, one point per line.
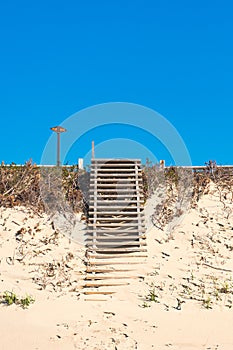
191	264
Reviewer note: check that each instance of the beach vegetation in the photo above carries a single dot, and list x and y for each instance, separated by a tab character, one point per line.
10	298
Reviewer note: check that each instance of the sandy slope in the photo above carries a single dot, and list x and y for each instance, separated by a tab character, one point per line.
188	273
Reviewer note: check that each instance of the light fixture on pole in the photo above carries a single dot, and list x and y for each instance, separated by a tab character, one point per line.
58	130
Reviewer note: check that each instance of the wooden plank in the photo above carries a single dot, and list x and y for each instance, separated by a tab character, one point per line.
97	285
118	190
126	244
114	225
120	249
101	270
111	234
112	220
129	255
115	212
121	237
140	221
115	245
119	196
116	197
116	183
102	172
116	160
92	277
114	176
98	292
117	203
116	216
100	263
115	206
121	166
106	231
111	180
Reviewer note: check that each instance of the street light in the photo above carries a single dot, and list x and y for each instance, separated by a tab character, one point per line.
58	130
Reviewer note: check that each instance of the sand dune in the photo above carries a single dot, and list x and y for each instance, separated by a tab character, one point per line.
183	299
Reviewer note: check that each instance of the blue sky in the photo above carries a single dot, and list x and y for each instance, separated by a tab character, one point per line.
175	57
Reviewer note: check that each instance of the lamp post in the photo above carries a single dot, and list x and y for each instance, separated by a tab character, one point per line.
58	130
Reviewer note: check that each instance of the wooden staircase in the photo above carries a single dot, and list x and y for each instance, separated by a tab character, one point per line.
115	238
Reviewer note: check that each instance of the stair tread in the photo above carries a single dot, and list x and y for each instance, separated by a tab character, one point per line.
116	238
115	245
137	211
111	180
98	292
119	249
108	277
104	284
100	263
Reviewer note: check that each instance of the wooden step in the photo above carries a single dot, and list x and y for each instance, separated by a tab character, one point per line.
113	166
104	284
113	220
112	181
117	205
92	255
119	190
97	293
99	245
116	198
96	175
136	249
121	171
110	225
101	270
115	212
114	206
91	277
114	163
101	263
116	217
111	234
121	237
113	230
97	169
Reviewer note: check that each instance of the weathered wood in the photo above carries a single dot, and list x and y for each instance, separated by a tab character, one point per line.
112	220
98	292
116	228
120	238
96	285
105	263
112	181
108	277
101	270
115	212
115	245
120	250
115	256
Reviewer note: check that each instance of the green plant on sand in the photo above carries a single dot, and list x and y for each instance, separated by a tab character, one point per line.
10	298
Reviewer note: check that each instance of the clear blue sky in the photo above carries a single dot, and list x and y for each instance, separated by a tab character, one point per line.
58	57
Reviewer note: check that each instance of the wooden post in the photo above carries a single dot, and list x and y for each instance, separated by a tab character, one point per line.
162	164
58	130
93	149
